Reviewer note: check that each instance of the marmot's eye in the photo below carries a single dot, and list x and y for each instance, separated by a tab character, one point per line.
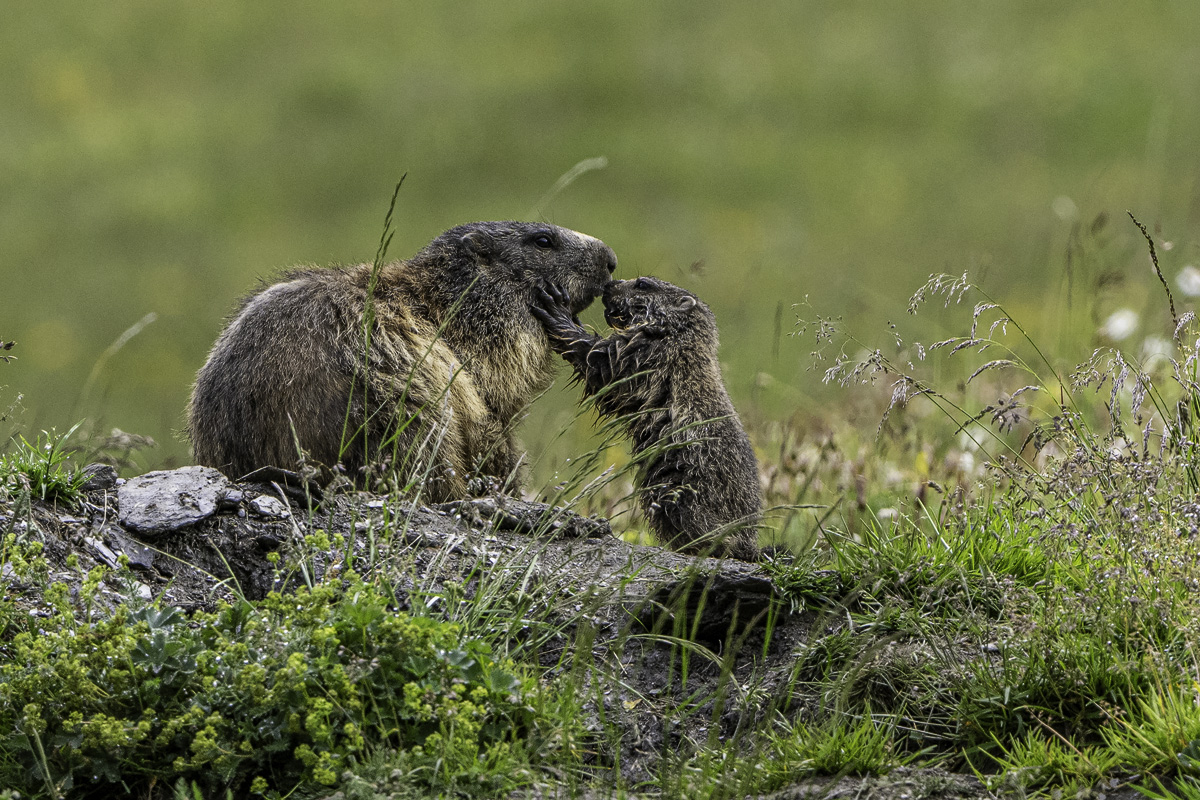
643	283
543	241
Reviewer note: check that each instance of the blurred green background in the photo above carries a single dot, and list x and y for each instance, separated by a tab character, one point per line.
165	157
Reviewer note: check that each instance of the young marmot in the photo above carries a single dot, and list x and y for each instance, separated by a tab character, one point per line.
658	373
428	376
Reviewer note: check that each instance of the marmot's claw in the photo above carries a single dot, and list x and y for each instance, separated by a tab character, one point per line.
552	308
544	308
541	315
561	295
553	294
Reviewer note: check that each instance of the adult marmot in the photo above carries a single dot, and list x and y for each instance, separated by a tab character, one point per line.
425	368
658	373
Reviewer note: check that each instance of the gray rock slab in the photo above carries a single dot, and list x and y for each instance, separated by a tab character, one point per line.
102	551
138	554
99	476
269	507
168	500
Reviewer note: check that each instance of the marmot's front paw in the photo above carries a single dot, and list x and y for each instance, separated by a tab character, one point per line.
557	294
552	307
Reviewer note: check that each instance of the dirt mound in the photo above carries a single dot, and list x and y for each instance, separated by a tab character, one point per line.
191	539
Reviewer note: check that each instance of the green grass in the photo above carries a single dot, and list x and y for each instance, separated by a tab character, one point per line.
160	159
998	581
1028	614
40	469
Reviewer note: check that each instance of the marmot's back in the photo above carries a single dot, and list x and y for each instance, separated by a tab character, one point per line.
261	379
429	390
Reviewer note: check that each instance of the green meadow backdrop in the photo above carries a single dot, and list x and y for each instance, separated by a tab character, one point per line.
163	158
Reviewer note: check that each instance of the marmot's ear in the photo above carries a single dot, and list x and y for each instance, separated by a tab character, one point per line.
480	243
686	304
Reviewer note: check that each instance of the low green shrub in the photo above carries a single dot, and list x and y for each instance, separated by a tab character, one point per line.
258	699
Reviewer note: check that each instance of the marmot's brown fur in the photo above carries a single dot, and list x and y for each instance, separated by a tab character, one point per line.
432	386
658	373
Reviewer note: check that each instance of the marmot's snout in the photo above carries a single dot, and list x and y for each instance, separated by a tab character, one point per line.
629	302
618	299
593	270
606	262
603	256
616	311
608	258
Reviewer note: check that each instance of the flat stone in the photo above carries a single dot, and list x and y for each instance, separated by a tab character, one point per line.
99	476
269	507
137	553
102	551
168	500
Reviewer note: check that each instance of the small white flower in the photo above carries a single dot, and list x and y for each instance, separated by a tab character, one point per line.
971	438
892	477
1119	325
962	462
1157	346
1188	281
1064	208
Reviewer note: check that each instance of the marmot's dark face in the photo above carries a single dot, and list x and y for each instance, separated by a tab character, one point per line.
654	306
528	253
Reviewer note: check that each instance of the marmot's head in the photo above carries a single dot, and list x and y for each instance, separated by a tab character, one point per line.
523	254
655	307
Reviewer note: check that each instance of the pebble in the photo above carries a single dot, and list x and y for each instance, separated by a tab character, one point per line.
138	554
269	507
99	476
106	555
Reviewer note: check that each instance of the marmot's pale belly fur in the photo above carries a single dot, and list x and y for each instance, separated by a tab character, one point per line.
429	382
658	373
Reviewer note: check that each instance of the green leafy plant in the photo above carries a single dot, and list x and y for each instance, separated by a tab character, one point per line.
259	698
41	468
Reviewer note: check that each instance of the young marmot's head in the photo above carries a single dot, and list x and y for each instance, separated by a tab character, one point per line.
522	255
655	307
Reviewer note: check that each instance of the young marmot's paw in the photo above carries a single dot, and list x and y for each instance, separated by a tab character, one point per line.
552	307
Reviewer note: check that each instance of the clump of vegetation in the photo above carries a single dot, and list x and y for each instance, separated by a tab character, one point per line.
1033	622
259	699
40	469
1000	579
